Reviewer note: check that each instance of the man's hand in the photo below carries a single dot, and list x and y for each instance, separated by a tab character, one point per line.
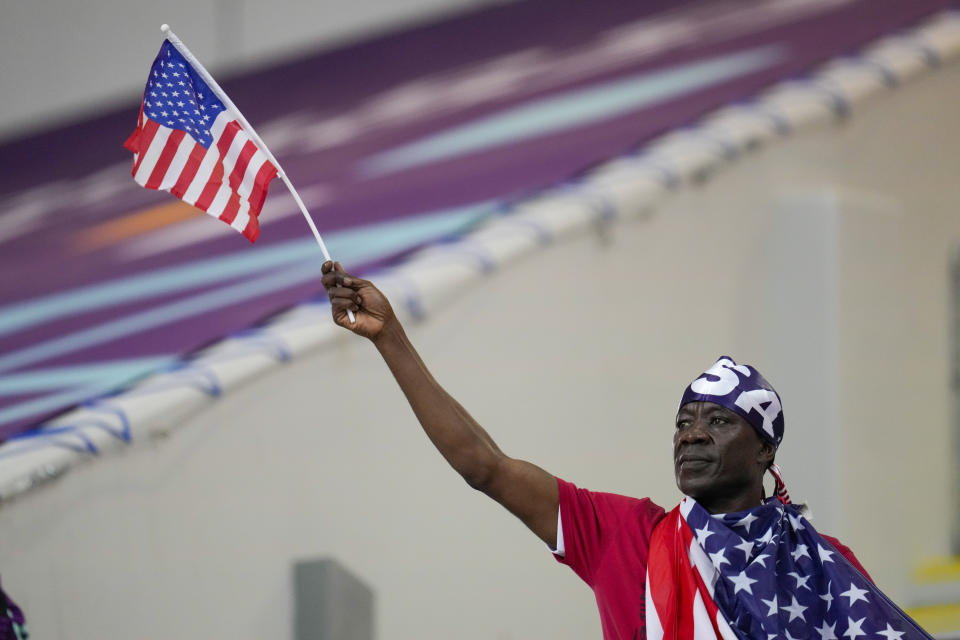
372	309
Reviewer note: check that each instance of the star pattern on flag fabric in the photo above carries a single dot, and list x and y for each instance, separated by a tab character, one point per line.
767	537
719	558
176	97
855	594
703	534
786	572
774	608
795	522
796	609
742	582
890	634
824	554
827	632
747	547
746	521
854	629
801	580
827	596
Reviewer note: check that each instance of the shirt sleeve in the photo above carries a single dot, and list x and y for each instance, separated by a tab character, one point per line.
591	520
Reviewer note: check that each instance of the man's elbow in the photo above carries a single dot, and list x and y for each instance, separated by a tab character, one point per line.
482	477
479	479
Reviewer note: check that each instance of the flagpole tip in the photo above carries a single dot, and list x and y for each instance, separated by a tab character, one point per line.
164	27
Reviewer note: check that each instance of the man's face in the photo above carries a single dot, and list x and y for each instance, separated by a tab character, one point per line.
718	457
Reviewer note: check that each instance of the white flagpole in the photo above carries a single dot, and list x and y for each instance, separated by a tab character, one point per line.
182	48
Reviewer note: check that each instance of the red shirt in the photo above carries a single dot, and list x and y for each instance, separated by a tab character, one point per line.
606	540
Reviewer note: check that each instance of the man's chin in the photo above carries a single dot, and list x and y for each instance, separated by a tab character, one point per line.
696	488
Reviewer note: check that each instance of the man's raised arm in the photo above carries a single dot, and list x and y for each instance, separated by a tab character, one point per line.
527	491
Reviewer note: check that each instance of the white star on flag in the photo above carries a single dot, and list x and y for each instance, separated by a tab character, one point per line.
702	535
718	559
853	628
801	580
824	554
827	597
742	582
796	610
800	552
774	608
890	634
827	632
746	546
746	521
855	594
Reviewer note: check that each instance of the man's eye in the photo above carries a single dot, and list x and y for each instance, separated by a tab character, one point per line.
718	420
682	423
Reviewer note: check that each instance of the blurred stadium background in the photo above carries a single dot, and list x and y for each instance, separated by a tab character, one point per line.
576	206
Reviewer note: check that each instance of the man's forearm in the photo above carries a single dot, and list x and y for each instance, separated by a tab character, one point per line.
460	439
524	489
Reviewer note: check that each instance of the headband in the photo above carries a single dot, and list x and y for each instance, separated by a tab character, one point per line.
743	390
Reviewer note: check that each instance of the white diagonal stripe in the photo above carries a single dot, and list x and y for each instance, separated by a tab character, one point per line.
220	200
209	160
702	626
186	147
654	628
257	160
243	216
201	177
152	155
230	158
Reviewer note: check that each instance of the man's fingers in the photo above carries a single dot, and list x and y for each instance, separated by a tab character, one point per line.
341	304
343	292
344	301
329	280
334	275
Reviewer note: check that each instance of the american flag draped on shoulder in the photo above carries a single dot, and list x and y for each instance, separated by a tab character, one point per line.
188	143
761	574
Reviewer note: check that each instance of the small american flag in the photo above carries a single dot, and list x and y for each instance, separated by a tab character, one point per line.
188	143
762	574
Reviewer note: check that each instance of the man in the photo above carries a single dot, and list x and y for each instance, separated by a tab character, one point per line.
726	563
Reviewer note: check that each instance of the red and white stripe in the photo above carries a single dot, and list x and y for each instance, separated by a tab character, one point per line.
780	487
679	599
229	180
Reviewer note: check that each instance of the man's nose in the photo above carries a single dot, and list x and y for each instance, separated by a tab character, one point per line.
695	432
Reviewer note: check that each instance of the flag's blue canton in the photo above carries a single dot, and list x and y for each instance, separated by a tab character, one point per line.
178	98
780	580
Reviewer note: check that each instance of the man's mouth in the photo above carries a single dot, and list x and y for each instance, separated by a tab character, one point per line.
687	460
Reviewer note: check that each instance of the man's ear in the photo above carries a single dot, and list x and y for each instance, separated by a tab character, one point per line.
767	454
